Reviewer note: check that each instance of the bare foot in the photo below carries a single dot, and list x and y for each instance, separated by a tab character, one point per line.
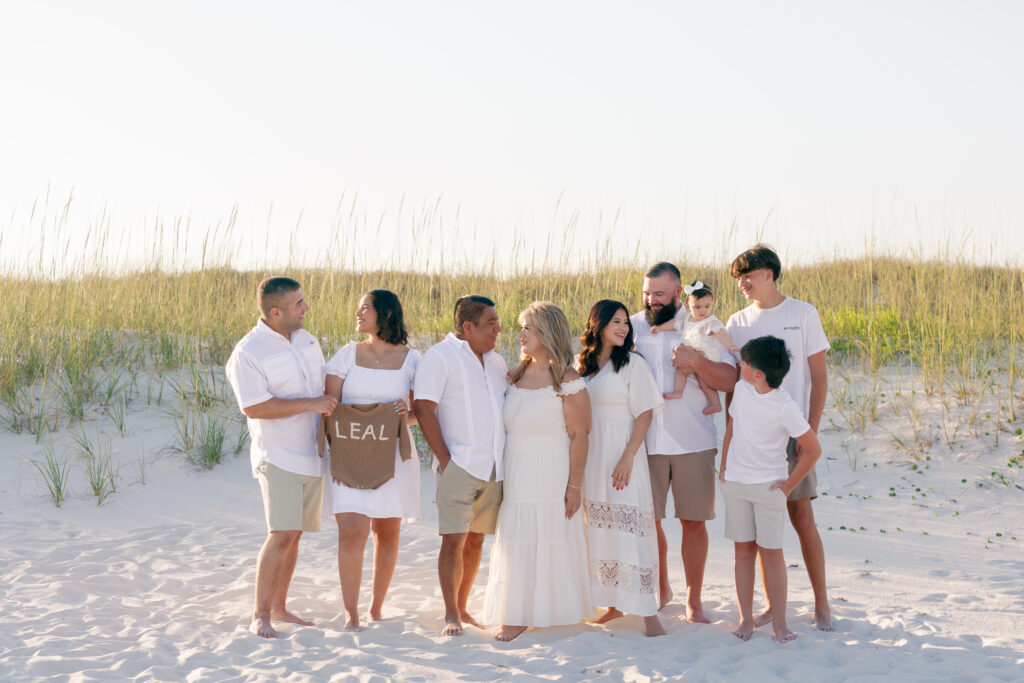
823	620
286	616
712	409
763	618
507	633
653	627
373	615
745	630
609	614
261	627
467	618
666	596
783	634
672	396
353	625
695	614
452	627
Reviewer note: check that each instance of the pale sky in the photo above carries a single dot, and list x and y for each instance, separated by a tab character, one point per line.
561	130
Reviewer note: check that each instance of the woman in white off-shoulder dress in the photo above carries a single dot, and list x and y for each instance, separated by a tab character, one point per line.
377	370
538	567
617	502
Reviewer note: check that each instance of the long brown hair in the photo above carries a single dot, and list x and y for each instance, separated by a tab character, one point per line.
553	330
601	314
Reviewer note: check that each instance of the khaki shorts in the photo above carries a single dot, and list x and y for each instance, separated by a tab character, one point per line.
808	486
291	502
754	512
692	477
465	503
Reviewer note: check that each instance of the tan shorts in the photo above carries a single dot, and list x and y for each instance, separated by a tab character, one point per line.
754	512
808	486
465	503
291	502
692	476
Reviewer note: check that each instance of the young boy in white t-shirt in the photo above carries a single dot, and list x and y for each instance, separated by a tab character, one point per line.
755	478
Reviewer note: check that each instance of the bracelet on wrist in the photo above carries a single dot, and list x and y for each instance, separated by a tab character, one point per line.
574	486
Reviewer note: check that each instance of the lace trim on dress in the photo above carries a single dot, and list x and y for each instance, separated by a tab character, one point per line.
628	518
573	386
629	577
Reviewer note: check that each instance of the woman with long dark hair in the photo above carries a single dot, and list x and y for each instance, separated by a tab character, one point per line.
379	369
617	500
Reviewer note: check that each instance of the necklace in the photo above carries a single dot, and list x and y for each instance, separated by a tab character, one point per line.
376	357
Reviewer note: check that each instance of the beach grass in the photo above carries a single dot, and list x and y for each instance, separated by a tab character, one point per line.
75	348
947	318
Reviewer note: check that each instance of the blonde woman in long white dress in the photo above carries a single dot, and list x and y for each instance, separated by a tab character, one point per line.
617	500
538	567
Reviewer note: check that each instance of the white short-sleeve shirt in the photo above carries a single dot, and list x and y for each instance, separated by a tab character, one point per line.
681	426
266	365
762	425
794	322
469	398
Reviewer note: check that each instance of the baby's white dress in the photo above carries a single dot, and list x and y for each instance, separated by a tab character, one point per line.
697	334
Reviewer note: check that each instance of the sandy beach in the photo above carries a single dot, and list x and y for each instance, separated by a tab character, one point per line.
925	575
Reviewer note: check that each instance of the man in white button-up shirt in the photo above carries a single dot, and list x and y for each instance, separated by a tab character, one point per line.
459	395
277	374
682	440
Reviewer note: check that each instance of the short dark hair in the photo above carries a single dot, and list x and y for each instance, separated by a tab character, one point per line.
390	325
759	256
662	267
469	308
270	291
770	356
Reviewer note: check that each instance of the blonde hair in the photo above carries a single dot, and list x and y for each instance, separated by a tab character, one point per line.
552	328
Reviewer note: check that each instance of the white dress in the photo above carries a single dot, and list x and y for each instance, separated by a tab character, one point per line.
538	568
623	545
697	334
399	497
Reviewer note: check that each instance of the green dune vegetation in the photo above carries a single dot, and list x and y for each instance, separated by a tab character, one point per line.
99	345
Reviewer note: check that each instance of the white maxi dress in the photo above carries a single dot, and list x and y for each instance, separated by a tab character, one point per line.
398	497
623	544
538	567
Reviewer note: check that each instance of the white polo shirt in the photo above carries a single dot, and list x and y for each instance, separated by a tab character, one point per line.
265	365
762	425
469	398
794	322
681	426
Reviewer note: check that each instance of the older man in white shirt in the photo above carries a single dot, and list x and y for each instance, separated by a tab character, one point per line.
459	395
682	440
277	374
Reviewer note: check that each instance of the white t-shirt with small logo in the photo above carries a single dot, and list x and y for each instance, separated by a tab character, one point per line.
794	322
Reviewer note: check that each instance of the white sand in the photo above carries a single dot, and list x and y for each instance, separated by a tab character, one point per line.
157	583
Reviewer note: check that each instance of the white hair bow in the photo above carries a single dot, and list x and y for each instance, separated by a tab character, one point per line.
690	289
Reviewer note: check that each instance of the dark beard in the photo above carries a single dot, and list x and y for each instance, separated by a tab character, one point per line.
667	312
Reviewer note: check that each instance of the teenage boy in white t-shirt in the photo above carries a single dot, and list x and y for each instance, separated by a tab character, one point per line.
797	323
755	478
